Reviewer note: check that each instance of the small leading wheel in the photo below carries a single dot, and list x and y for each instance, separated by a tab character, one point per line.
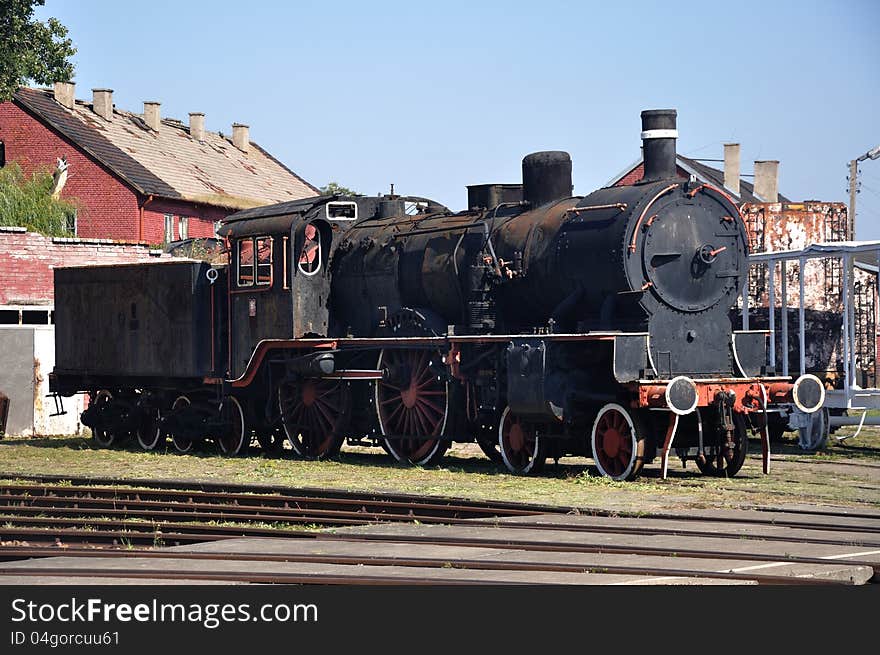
618	442
181	444
521	449
233	437
815	435
314	414
412	405
719	461
149	433
102	436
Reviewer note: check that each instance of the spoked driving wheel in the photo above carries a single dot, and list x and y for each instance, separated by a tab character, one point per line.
102	436
722	459
149	432
618	442
412	403
233	437
314	414
521	449
181	444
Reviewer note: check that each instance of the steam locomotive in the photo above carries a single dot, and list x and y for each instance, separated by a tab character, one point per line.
535	323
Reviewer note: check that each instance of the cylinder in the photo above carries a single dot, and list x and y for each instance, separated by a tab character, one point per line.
658	143
546	177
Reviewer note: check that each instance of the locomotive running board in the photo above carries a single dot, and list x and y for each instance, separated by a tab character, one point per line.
267	345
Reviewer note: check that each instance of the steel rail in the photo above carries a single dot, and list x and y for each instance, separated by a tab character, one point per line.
278	505
149	534
256	501
304	492
555	547
220	513
259	578
421	562
93	516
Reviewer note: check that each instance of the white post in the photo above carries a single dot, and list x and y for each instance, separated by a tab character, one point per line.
784	310
771	266
845	329
852	320
801	327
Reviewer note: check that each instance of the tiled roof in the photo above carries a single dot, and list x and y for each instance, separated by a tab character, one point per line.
706	174
716	177
170	163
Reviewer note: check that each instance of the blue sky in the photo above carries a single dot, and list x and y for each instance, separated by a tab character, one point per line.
435	96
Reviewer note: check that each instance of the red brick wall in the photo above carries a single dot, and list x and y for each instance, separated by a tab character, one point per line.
108	208
27	260
200	221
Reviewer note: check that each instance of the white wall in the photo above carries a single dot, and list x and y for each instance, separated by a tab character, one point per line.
28	356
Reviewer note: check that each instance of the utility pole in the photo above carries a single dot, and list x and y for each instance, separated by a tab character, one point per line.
873	153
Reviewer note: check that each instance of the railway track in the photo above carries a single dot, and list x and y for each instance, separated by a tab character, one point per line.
165	528
459	564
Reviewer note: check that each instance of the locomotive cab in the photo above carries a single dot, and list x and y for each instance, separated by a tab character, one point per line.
278	283
280	266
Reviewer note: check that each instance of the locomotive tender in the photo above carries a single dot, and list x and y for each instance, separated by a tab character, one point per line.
535	323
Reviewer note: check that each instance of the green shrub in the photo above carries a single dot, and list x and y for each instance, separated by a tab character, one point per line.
28	202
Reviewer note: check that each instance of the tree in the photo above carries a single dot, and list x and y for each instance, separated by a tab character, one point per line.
30	49
28	202
332	188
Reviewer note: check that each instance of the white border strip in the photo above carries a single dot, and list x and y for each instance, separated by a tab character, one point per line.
660	134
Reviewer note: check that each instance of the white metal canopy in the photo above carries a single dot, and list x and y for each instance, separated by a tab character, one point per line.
851	396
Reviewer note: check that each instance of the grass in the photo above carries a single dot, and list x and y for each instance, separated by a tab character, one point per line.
842	474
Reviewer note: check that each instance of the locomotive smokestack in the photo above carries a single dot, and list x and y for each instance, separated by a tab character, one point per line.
658	143
546	177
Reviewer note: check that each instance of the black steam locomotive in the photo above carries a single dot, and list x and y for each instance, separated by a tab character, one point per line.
535	323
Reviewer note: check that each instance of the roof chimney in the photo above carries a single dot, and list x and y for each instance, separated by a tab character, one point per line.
767	180
241	136
731	167
197	125
102	103
65	94
151	115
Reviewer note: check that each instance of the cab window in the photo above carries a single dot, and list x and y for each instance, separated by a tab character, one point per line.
310	255
245	262
264	260
254	261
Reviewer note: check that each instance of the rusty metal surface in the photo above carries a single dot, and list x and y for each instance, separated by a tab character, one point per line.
134	319
788	226
774	227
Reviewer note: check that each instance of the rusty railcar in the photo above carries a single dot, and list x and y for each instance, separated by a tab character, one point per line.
536	323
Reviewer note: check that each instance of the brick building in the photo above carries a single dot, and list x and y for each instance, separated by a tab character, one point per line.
141	177
136	179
